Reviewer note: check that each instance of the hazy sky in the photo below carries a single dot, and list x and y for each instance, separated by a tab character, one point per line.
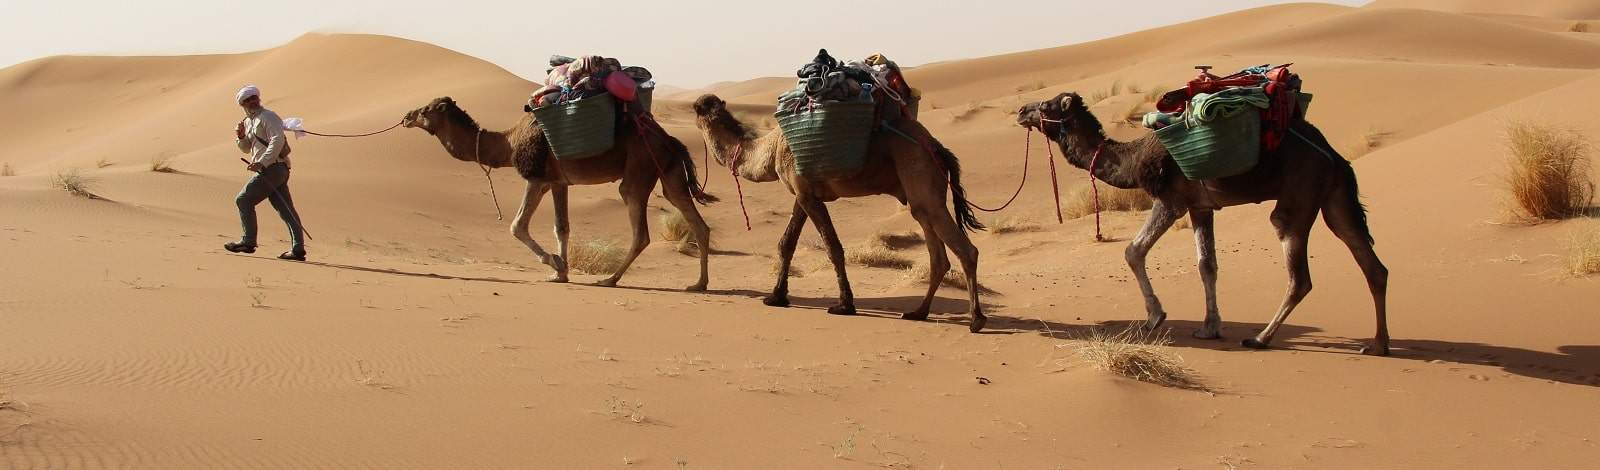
685	42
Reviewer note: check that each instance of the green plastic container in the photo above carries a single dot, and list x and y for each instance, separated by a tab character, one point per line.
1225	147
830	140
579	129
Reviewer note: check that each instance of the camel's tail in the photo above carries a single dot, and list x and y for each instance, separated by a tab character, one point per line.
680	153
1356	206
958	195
1313	137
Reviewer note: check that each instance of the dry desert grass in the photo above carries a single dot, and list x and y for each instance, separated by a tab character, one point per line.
953	277
1580	28
596	256
73	181
875	255
1549	172
1013	225
1137	354
1080	202
102	163
675	228
1583	252
7	170
162	165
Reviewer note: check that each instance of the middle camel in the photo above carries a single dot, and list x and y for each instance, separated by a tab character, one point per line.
897	164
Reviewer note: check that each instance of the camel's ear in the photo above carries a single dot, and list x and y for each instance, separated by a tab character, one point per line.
1066	100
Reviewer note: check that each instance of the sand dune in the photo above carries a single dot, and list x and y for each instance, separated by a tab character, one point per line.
1568	9
422	337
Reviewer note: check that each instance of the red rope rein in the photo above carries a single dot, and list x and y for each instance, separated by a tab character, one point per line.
733	170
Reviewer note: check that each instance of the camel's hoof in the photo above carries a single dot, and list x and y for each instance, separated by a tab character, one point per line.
558	278
1204	334
775	300
607	283
695	288
1155	320
919	315
978	321
556	263
842	310
1375	350
1254	343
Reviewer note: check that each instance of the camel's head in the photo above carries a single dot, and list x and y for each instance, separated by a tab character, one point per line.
711	116
432	117
709	105
1049	116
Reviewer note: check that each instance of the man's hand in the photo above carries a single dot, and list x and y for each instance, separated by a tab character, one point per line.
238	132
255	167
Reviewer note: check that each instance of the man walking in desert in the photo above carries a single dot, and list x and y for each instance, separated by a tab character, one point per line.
261	136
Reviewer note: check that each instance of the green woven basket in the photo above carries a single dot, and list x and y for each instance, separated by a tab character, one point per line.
579	129
829	140
1225	147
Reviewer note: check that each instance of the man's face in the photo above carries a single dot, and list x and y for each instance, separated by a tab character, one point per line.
250	103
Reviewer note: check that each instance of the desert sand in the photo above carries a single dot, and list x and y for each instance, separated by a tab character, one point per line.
422	334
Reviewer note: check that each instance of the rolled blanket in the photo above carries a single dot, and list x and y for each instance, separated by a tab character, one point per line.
1207	107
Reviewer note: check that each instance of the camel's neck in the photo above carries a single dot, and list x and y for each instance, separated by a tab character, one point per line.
730	142
1116	165
474	144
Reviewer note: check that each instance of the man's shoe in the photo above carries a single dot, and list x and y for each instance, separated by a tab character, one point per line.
237	247
293	256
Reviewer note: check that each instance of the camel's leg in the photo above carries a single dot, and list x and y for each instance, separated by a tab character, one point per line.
1343	215
677	189
1161	218
786	246
563	229
938	265
818	212
1205	242
519	226
956	239
635	193
1293	224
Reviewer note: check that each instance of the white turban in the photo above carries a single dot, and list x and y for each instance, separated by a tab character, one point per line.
246	92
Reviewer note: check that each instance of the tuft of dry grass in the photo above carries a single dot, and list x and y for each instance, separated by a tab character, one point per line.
1583	252
75	182
1013	225
102	163
1080	203
596	256
875	255
676	228
1035	85
162	165
1366	143
952	278
1580	28
897	240
7	170
1549	172
1183	223
1139	355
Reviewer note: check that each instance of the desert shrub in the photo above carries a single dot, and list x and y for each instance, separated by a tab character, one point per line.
596	256
1583	252
874	255
1136	354
162	165
1549	172
1013	225
1080	202
75	182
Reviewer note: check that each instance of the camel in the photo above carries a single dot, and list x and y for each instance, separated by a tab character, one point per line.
1305	175
638	159
899	164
